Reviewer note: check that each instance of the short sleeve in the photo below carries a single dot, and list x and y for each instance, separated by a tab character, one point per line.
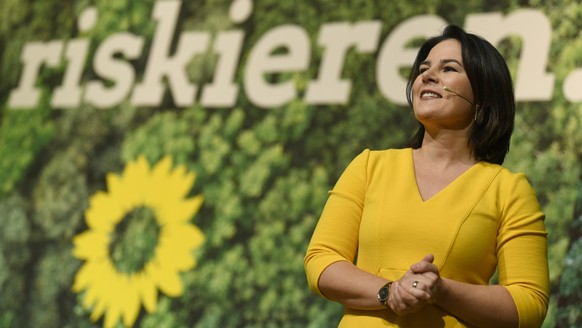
336	235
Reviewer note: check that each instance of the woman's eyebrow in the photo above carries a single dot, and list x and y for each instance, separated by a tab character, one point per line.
446	61
443	61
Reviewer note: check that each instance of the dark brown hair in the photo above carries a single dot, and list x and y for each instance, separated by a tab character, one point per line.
490	135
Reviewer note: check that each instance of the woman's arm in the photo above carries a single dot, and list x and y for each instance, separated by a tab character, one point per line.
521	298
480	306
345	283
330	255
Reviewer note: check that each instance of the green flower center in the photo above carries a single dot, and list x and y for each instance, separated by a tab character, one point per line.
134	241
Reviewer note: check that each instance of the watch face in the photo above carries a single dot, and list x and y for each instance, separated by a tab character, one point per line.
383	293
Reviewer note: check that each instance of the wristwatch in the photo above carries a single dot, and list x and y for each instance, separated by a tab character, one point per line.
384	294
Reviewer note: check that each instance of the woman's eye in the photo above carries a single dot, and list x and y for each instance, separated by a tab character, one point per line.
449	69
423	69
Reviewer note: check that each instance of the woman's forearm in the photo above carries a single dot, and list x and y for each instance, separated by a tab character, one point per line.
343	282
480	306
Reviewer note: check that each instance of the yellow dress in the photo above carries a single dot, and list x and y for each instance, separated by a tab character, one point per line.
487	217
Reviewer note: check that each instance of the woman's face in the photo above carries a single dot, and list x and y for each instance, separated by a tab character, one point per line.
432	104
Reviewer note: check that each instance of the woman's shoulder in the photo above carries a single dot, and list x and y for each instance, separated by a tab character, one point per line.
390	153
509	177
504	172
378	160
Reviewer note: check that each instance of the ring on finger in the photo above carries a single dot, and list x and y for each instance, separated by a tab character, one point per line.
414	284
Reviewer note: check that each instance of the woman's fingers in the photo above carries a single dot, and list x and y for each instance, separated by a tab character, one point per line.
407	299
416	288
422	289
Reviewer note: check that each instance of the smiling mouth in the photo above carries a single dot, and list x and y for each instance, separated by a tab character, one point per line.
429	95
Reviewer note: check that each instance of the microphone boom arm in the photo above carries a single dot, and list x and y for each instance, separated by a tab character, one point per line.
458	94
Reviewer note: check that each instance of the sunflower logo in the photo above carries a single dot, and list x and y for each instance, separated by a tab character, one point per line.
139	240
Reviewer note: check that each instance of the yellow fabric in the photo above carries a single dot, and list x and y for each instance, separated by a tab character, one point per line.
487	217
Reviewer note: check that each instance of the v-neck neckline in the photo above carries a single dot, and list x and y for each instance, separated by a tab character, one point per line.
443	190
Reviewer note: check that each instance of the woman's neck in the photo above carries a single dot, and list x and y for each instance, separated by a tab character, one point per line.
446	149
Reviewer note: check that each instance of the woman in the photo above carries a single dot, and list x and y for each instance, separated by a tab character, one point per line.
430	224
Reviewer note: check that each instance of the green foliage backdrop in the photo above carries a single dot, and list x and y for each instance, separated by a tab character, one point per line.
264	174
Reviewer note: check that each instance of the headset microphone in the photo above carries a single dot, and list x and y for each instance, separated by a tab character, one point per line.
458	94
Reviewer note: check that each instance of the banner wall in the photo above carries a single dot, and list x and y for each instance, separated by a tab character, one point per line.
164	163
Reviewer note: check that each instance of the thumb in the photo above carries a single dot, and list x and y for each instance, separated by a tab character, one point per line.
428	258
423	265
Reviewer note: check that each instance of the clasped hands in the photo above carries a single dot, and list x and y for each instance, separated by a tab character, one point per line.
418	287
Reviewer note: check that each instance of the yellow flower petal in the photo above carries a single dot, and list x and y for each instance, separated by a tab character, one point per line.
94	296
179	212
91	245
98	311
167	280
186	236
175	247
171	284
131	301
174	257
135	182
114	289
82	278
103	212
162	168
181	181
175	184
147	291
112	316
114	184
88	273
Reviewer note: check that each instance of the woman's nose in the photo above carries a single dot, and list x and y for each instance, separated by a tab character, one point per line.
429	76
